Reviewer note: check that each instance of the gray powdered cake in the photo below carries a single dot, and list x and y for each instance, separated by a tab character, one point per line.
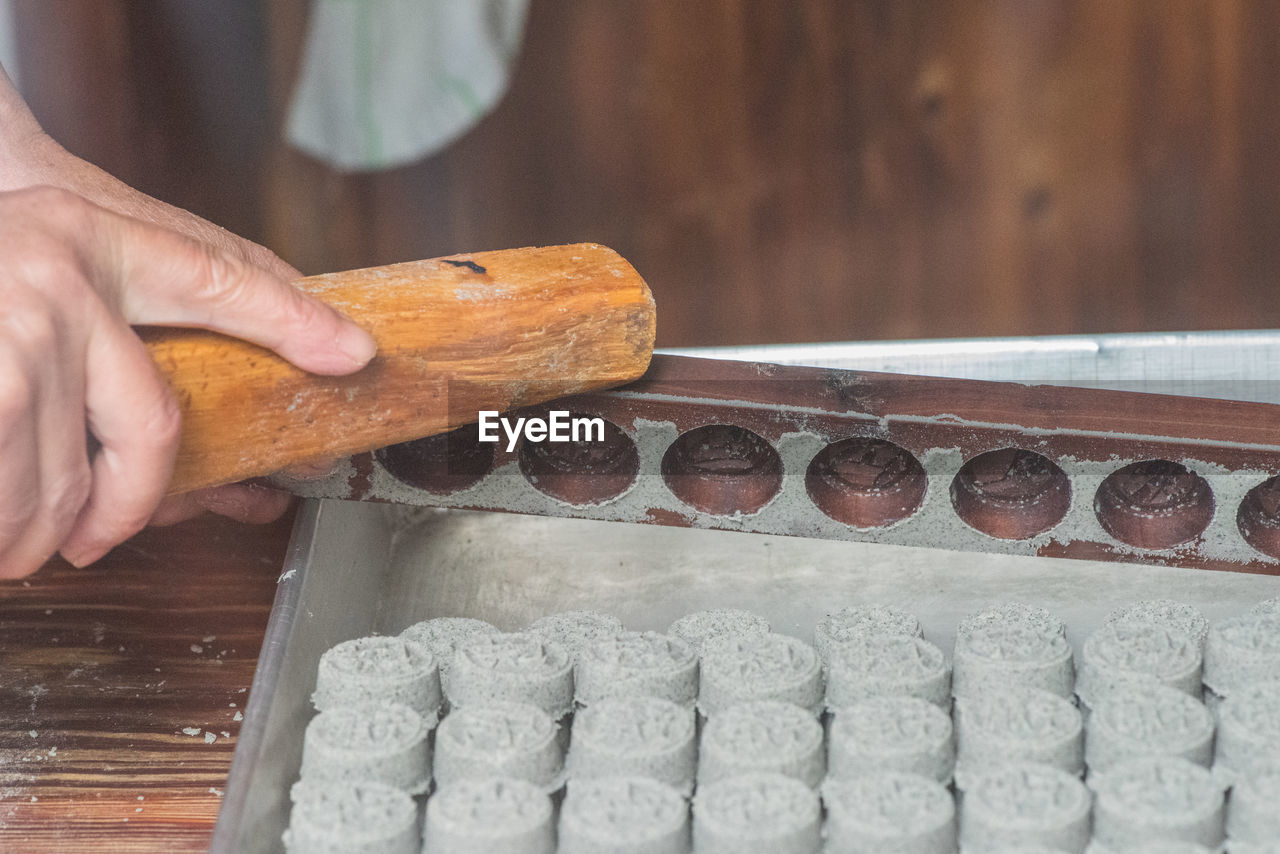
376	670
1178	617
1242	650
386	744
441	636
894	733
352	818
697	628
762	736
1013	725
857	620
489	816
515	740
1157	798
1163	846
738	668
1123	654
575	630
1267	607
1012	644
635	736
515	667
1025	804
758	813
1248	731
889	813
887	665
623	815
637	664
1148	720
1252	814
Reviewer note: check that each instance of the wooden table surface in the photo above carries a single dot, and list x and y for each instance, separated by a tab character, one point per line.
121	684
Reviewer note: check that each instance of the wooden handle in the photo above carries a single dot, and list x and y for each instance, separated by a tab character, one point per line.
491	330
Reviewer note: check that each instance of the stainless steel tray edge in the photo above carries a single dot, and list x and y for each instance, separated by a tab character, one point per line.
260	771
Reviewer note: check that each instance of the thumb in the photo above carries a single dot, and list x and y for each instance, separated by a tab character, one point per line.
167	279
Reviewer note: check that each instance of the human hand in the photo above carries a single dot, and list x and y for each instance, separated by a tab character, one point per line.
73	277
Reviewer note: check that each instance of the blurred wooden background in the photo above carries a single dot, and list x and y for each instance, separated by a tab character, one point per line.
779	170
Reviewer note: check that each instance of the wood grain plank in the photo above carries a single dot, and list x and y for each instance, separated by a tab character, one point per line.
101	671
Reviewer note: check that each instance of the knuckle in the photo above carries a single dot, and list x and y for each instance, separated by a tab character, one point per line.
67	495
17	395
158	420
35	330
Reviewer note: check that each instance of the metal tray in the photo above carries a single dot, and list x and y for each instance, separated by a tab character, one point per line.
356	569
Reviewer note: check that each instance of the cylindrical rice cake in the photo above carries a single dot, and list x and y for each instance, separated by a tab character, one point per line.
517	667
891	734
1240	651
1009	645
1178	617
738	668
352	818
1252	814
515	740
1157	798
1148	720
441	636
1248	731
757	813
635	736
637	664
576	630
762	736
1025	804
887	665
377	670
697	628
889	813
1120	655
490	816
385	744
1013	725
623	815
857	620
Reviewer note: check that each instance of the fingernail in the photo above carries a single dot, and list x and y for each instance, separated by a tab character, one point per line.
80	557
356	344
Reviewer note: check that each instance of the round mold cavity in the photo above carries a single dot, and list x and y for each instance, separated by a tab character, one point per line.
722	469
866	482
443	464
583	471
1011	493
1259	517
1154	504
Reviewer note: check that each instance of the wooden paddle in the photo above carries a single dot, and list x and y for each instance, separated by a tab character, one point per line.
490	330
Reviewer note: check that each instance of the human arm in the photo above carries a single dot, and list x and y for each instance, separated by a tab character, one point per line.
82	258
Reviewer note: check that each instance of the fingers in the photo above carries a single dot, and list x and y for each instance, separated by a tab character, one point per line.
21	481
164	278
133	415
243	502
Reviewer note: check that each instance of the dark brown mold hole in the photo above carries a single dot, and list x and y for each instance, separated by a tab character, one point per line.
1154	504
865	482
722	469
1259	517
441	464
583	472
1011	494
